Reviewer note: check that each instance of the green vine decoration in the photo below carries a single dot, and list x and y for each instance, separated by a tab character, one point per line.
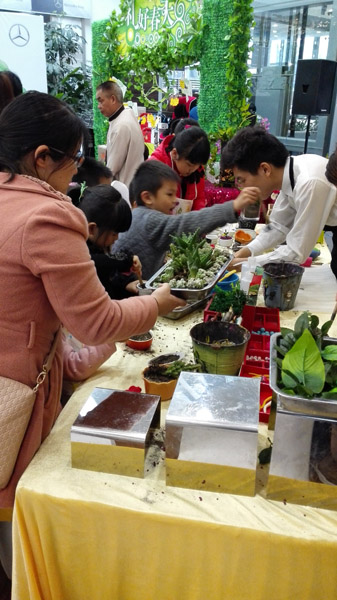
223	105
218	37
141	66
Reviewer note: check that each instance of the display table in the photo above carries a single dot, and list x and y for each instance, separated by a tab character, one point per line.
82	535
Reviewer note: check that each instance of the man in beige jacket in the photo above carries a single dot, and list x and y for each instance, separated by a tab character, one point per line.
125	142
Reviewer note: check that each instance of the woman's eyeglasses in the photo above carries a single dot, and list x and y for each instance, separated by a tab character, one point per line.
78	158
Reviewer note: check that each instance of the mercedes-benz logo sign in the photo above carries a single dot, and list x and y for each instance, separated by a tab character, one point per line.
19	35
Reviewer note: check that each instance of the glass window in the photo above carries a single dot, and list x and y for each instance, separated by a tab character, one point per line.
280	38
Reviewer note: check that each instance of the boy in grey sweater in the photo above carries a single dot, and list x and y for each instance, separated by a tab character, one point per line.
154	190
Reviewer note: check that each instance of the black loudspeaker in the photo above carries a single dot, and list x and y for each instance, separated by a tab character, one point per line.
314	86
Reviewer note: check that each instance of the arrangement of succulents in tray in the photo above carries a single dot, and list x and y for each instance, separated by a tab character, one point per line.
193	262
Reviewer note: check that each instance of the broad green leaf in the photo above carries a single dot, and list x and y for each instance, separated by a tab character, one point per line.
288	391
302	323
331	394
314	321
305	363
325	327
329	352
285	331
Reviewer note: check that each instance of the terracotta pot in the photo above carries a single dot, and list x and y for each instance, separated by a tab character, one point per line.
164	389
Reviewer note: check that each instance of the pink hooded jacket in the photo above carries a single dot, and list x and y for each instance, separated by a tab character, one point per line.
48	278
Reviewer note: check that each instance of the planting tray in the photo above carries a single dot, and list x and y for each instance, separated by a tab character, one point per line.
261	320
178	313
191	295
315	407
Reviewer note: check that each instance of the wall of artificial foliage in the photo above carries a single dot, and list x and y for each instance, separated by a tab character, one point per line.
98	76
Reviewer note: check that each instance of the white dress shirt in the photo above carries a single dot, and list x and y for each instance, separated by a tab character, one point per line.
300	214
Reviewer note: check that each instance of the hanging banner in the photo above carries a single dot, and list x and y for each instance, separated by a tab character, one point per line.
22	49
146	18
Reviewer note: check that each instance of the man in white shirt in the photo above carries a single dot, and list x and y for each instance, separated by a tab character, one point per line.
125	142
306	203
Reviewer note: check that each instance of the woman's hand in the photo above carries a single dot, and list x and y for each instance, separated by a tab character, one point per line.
249	195
165	300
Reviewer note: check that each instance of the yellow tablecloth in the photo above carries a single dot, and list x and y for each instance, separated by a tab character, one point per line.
81	535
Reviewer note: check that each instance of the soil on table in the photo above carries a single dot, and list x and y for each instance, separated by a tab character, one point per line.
143	337
164	359
157	373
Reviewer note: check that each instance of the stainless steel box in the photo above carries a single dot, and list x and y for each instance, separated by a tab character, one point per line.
303	468
211	433
112	431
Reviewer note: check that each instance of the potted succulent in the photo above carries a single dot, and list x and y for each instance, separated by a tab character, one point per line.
162	379
193	264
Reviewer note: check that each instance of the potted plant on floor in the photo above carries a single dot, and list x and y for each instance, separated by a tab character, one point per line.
161	380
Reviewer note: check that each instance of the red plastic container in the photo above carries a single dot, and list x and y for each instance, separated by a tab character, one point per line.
255	317
211	315
256	360
137	342
265	391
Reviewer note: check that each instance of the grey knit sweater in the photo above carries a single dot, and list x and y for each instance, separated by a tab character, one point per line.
149	236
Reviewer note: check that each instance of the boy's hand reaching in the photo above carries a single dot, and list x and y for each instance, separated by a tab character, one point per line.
165	300
249	195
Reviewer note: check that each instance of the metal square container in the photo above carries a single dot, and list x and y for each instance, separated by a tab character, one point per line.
112	431
211	433
315	407
303	468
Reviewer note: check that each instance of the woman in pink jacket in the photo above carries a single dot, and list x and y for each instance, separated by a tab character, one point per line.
186	151
46	274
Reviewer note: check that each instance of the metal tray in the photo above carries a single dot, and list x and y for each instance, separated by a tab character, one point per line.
190	295
313	407
178	313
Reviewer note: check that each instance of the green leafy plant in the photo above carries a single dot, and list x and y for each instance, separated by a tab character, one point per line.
234	299
65	80
307	362
140	67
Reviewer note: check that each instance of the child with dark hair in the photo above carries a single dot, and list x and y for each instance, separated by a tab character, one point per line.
91	172
154	189
306	203
186	151
108	215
